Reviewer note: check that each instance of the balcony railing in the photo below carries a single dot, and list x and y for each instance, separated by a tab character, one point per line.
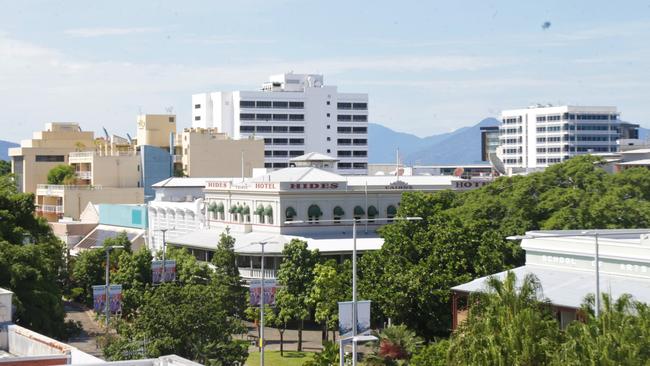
61	187
247	272
51	208
177	158
86	174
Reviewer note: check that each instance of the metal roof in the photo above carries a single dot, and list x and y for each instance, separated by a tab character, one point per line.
313	156
184	182
568	288
300	174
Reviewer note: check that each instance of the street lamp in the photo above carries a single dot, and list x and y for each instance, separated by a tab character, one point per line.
164	243
595	234
354	272
106	302
262	243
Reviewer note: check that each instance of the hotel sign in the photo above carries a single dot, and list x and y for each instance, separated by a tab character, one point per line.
242	186
312	186
466	184
580	262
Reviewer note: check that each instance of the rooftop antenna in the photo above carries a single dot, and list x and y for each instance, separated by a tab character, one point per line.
106	134
129	138
170	109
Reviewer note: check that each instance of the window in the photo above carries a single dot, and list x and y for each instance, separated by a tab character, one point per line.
296	105
328	127
360	118
338	213
358	212
296	129
345	165
280	117
329	151
314	213
360	153
280	129
197	118
263	128
344	105
344	129
263	116
359	130
360	106
372	212
289	213
280	141
391	211
344	141
280	153
49	158
296	141
296	117
344	153
268	165
280	165
247	116
360	165
280	104
246	128
328	115
296	153
344	118
360	142
172	119
197	106
268	141
328	102
246	104
328	138
268	153
263	104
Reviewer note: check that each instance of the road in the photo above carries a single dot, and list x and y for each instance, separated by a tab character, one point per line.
87	339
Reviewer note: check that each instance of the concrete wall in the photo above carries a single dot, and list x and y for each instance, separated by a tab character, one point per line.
134	216
116	171
75	201
155	166
154	129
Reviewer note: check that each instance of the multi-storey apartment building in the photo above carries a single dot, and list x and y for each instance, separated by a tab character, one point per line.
294	114
538	136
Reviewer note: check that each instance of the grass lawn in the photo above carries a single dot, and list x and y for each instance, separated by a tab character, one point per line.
273	358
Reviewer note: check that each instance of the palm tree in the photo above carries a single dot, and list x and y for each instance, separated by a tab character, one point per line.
396	345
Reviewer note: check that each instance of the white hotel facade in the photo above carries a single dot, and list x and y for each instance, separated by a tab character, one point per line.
540	136
295	114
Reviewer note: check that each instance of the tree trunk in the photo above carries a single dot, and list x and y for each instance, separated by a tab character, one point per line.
300	336
281	331
325	333
333	336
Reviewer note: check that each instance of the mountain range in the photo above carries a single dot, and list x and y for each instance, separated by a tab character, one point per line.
462	146
4	149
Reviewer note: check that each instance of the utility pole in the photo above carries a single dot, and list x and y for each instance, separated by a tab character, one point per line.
107	308
597	257
164	251
262	243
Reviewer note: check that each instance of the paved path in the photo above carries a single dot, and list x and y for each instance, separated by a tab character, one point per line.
87	339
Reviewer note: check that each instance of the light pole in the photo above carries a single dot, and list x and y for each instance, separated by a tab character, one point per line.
354	272
262	243
108	258
164	243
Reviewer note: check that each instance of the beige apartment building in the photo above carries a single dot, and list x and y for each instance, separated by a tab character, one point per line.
46	149
155	129
208	153
102	177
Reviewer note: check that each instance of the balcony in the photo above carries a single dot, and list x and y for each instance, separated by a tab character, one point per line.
247	272
86	174
50	209
177	158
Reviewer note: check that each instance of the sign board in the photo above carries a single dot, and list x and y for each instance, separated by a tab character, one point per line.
157	271
345	318
465	184
99	298
115	298
270	288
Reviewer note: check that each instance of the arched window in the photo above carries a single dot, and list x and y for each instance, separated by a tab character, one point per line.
220	211
338	214
259	211
314	213
268	212
358	212
372	212
246	213
289	213
391	211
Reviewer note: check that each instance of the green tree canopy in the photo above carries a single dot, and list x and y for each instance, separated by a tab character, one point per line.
332	283
5	167
226	274
61	174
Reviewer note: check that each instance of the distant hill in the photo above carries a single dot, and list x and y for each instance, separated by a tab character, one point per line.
4	149
462	146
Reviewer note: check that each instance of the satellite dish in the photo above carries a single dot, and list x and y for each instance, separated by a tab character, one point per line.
497	164
459	171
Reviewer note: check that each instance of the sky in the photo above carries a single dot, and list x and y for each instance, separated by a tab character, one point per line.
428	66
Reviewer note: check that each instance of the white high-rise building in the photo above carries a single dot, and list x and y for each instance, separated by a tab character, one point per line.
538	136
295	114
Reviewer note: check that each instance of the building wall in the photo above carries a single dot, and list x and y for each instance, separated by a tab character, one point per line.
155	166
155	129
314	127
70	201
126	215
210	154
57	140
116	171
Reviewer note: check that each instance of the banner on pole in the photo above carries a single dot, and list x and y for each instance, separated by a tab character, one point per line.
99	298
157	271
270	288
115	298
345	318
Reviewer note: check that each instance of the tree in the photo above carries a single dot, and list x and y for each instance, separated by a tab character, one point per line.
434	354
332	283
61	174
396	346
5	167
329	356
462	234
191	321
295	278
88	270
188	269
226	273
31	263
509	324
134	274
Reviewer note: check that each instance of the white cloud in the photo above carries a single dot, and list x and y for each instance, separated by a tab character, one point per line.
107	31
226	40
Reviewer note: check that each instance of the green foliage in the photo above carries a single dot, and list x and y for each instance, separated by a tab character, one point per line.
134	274
188	269
61	174
295	277
5	167
191	321
507	325
332	283
226	274
396	346
462	234
327	357
434	354
88	270
32	271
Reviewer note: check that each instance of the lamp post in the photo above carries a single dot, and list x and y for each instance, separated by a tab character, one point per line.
262	243
354	272
164	243
108	258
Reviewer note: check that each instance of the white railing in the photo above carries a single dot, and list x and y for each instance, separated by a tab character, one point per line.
81	154
51	208
61	187
247	272
85	174
177	158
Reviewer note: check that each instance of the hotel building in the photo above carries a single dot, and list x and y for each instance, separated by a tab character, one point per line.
294	114
539	136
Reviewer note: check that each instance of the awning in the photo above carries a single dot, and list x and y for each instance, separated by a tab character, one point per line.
248	243
568	288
